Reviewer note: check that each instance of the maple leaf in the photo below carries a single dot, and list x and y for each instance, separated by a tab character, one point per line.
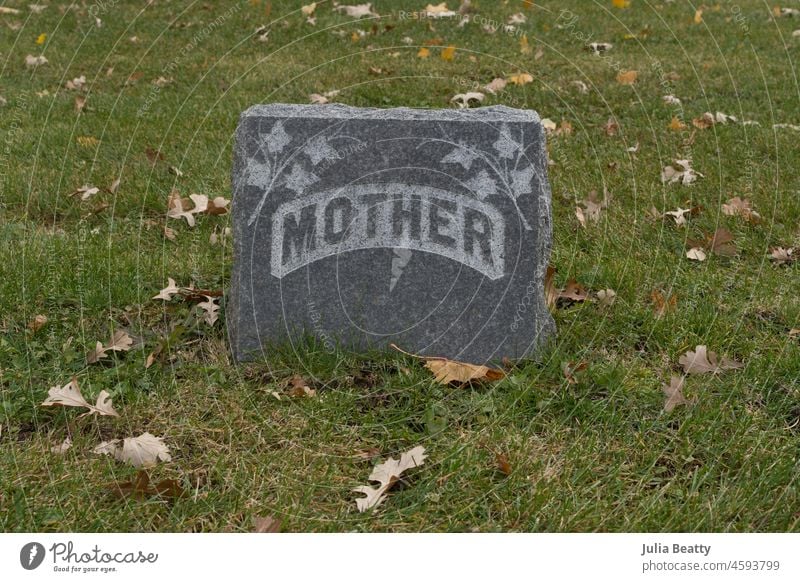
674	393
506	145
703	361
462	155
299	180
167	292
142	451
483	185
277	138
357	11
387	474
70	395
450	371
782	256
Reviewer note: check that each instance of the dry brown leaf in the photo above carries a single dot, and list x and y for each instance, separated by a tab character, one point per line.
520	78
702	361
80	103
782	256
606	297
120	342
674	393
496	86
572	368
503	465
267	524
680	171
387	474
450	371
63	447
676	124
167	292
358	11
574	291
142	451
696	254
449	53
627	77
37	323
662	305
141	488
70	395
737	206
550	291
298	388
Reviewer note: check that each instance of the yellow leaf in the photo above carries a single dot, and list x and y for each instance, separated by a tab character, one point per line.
424	53
627	77
520	78
621	3
524	47
676	124
446	371
449	53
355	37
87	141
41	38
698	16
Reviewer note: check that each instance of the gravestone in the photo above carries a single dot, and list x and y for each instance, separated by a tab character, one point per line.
430	229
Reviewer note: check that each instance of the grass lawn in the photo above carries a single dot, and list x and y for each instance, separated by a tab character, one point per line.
593	452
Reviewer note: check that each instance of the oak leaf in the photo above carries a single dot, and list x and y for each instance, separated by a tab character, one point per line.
387	474
142	451
674	393
703	361
70	395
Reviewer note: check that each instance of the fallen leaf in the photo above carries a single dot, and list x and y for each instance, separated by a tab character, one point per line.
76	84
37	323
63	447
702	361
574	291
599	47
358	11
698	16
210	310
674	393
308	9
524	46
424	53
680	171
550	291
449	53
438	11
142	451
496	86
167	292
503	465
465	100
299	388
606	297
679	215
32	61
70	395
782	256
740	207
671	100
520	78
140	488
40	40
696	254
676	124
662	305
450	371
627	77
266	524
7	10
571	368
80	103
387	474
621	3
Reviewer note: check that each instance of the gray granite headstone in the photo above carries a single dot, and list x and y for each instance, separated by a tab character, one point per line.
430	229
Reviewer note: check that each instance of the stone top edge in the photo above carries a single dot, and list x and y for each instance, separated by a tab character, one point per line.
339	111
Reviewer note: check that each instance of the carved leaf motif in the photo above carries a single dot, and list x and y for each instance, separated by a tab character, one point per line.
299	180
277	138
460	155
482	185
521	181
319	149
505	145
259	174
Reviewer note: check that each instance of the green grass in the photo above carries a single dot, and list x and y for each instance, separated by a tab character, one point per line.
597	455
